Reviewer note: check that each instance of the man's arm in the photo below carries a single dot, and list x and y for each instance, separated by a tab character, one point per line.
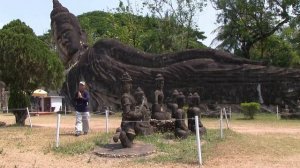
85	96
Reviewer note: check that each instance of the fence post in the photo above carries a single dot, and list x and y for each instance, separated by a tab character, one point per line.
230	112
57	130
225	113
106	119
221	123
277	112
29	117
65	110
198	140
6	109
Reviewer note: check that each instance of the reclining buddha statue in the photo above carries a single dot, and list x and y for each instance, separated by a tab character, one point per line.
217	75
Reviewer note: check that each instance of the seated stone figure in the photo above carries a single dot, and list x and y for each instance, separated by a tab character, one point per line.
143	127
158	109
173	106
193	111
181	130
127	133
220	73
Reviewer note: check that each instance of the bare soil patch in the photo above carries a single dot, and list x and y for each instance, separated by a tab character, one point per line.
270	144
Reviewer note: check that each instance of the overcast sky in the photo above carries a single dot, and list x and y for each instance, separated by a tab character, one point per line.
36	13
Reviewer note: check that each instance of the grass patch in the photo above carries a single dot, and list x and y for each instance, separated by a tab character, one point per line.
171	149
83	145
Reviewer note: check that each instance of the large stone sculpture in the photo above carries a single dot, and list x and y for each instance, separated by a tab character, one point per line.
158	109
217	75
127	133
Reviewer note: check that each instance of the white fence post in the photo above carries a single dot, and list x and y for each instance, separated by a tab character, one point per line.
65	109
198	140
221	123
277	112
57	130
225	113
29	117
230	112
106	119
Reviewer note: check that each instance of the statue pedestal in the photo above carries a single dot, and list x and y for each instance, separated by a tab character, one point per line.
115	150
163	126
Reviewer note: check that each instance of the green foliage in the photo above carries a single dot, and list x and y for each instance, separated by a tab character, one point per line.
26	62
149	33
250	109
245	23
275	51
18	27
18	99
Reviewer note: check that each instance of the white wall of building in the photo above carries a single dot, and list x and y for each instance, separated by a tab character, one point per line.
56	101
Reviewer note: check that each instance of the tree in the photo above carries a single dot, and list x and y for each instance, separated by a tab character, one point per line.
143	32
26	63
176	27
244	23
274	50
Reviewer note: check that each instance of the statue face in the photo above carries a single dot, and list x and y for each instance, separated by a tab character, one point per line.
160	84
68	40
127	87
139	98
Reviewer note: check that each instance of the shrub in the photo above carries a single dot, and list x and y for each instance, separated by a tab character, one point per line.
250	109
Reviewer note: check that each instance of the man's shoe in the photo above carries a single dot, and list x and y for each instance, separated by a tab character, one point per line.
77	134
85	133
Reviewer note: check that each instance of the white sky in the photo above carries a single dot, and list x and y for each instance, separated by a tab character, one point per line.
36	13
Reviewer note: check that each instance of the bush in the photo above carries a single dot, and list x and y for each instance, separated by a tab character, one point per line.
250	109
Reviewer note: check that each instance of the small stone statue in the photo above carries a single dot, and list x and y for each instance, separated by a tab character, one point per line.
181	130
158	111
143	127
127	133
286	109
298	106
193	111
173	106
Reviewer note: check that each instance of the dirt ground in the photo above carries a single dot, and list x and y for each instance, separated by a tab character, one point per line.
32	148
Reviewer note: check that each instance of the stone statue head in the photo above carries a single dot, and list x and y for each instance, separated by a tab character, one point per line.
180	100
174	95
159	80
126	82
190	99
139	95
196	99
67	33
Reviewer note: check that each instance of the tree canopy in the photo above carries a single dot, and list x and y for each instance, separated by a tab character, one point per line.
26	63
148	33
244	23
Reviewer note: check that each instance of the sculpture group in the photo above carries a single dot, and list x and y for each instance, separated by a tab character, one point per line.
136	114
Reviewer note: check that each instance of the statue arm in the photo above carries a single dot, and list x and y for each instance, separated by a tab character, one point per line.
126	105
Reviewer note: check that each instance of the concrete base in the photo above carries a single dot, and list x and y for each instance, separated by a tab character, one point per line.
115	150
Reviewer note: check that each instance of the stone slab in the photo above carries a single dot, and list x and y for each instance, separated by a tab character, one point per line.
115	150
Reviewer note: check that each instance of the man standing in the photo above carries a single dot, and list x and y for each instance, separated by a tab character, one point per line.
82	112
